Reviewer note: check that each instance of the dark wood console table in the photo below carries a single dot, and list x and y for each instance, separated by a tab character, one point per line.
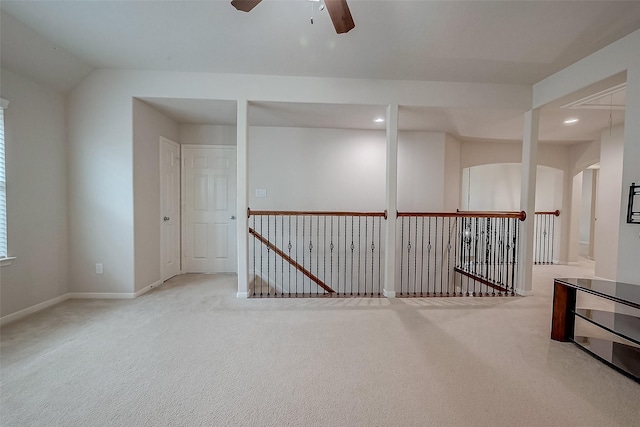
623	357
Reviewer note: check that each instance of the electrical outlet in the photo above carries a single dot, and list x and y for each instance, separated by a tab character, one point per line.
99	269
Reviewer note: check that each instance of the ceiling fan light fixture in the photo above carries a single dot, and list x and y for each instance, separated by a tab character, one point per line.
340	15
338	12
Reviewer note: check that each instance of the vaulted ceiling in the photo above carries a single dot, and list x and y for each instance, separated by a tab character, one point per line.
519	42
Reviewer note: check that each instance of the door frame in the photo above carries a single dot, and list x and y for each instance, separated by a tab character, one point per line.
161	140
183	192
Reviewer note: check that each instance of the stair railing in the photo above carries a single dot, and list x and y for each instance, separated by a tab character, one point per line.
316	253
544	237
457	253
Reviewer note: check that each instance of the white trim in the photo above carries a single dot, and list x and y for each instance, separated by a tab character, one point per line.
104	295
169	141
4	103
586	101
75	295
558	262
164	139
6	261
242	295
33	309
388	294
210	146
522	293
148	288
183	214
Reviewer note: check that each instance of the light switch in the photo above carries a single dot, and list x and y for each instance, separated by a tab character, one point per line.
261	192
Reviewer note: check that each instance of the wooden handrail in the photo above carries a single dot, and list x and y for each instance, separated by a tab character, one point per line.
291	261
468	214
480	279
316	213
556	213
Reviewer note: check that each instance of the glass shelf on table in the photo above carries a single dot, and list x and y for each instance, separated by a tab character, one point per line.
623	325
623	357
624	293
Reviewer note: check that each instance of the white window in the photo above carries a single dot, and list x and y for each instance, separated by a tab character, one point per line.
3	186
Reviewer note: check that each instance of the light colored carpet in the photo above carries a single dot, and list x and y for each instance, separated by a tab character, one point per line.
189	353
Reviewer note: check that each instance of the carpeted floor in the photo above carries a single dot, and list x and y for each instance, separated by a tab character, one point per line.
190	353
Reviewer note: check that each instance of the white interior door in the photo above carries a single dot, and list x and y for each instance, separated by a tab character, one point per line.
210	209
169	208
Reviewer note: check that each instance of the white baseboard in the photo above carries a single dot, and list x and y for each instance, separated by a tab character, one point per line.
148	288
33	309
99	295
242	295
389	294
75	295
524	293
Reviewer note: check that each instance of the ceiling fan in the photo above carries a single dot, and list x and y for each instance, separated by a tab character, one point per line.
338	11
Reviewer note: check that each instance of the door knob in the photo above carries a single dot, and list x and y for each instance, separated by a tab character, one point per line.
233	217
166	218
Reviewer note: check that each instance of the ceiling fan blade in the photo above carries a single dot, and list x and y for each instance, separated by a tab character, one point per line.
245	5
340	15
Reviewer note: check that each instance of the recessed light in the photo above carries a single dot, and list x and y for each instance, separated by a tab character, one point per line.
571	121
379	120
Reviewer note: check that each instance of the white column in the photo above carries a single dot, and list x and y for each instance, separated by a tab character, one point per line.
243	198
574	226
565	217
391	199
528	201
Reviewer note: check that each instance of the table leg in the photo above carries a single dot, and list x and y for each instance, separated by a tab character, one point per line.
563	320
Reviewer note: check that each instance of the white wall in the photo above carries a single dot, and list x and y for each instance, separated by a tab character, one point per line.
339	169
574	227
207	134
100	138
497	187
316	169
36	166
585	209
421	171
584	154
608	209
452	173
487	152
148	125
491	187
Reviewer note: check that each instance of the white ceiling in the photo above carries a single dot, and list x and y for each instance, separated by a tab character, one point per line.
474	41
